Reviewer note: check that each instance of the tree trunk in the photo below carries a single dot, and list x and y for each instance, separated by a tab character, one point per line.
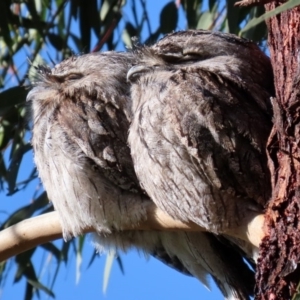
278	271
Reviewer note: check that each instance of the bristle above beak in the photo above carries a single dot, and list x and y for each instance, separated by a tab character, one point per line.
43	70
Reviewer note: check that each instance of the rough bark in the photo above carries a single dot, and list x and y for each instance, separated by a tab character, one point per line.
278	271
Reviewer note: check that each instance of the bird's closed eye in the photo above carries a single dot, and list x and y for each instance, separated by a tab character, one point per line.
74	76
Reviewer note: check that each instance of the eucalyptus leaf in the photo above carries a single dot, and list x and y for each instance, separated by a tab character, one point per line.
50	247
168	18
13	96
287	5
56	41
40	286
107	269
26	211
84	26
205	20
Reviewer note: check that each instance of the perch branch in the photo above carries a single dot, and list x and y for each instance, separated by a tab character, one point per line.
45	228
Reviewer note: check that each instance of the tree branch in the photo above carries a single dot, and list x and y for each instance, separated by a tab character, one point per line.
44	228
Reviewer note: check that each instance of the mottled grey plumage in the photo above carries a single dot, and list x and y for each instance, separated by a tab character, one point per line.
201	119
81	113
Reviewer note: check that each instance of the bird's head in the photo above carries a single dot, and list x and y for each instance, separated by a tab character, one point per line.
226	55
91	74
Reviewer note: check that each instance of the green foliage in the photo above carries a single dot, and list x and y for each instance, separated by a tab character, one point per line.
34	31
257	20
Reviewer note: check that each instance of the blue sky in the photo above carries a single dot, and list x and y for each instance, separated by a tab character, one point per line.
143	279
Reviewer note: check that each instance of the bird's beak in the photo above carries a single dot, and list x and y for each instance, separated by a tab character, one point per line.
38	91
135	71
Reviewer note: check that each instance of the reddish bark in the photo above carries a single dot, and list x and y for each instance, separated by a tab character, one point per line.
278	271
